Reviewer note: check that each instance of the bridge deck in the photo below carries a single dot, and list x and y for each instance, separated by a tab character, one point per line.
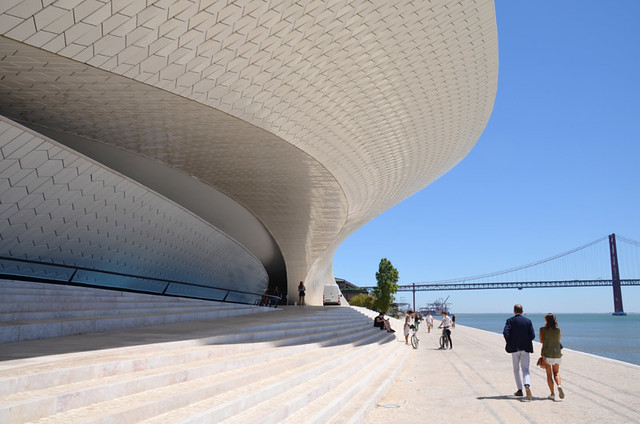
509	285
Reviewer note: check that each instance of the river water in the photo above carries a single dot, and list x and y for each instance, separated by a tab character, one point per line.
599	334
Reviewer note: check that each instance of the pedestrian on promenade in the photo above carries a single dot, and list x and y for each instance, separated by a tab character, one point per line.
429	322
519	334
552	352
301	293
453	321
409	320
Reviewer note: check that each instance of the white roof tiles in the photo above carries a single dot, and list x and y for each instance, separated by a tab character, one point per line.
380	98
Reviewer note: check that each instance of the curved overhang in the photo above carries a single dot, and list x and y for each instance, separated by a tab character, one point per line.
315	117
216	208
64	216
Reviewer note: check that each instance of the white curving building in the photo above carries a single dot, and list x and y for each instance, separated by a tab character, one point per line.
231	144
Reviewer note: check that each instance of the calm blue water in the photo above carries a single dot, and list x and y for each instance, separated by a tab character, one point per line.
599	334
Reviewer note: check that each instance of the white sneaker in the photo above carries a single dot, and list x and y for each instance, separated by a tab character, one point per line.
552	397
561	392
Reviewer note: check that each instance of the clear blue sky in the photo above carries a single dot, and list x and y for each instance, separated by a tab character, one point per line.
557	166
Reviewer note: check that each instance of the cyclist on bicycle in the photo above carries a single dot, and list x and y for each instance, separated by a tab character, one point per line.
445	324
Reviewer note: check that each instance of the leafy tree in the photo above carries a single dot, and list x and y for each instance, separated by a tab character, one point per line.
387	278
363	300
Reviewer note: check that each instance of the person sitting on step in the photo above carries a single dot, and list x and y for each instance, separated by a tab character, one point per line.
383	323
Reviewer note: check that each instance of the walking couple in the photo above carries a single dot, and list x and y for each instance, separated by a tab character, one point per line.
519	334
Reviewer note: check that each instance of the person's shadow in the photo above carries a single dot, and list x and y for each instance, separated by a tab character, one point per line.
501	397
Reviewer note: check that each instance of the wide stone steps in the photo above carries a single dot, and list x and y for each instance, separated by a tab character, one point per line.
7	317
78	370
262	386
261	368
31	311
116	305
20	290
163	382
317	400
29	330
225	363
356	400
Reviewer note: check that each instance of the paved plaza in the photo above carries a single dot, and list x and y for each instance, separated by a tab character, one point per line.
473	383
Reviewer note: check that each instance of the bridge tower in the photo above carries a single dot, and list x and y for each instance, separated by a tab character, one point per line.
615	277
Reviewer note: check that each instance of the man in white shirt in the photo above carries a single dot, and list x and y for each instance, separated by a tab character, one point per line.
446	324
429	322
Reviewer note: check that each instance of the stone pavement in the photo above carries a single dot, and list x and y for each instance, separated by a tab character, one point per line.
473	383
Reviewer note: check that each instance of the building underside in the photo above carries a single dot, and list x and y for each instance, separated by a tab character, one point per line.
228	144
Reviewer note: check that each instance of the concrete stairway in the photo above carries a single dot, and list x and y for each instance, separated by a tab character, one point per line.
293	365
35	310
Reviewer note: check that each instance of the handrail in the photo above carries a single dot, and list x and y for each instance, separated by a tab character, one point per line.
86	277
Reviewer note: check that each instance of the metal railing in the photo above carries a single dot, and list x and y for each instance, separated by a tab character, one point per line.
45	272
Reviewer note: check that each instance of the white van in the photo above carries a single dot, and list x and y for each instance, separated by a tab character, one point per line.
331	295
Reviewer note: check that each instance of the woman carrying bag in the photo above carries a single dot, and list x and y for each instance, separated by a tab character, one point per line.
551	354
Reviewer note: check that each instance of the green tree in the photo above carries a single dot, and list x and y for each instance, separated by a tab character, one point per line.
363	300
387	278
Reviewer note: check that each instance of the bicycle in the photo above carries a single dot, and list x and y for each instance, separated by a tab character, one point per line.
444	339
415	342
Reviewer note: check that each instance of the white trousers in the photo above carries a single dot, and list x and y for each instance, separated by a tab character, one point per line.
521	361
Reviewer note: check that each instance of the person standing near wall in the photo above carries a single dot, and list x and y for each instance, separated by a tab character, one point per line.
301	294
519	334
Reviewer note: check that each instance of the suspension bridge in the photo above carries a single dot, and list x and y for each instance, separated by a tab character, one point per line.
592	259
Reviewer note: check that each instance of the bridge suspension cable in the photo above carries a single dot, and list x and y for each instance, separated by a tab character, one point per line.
521	267
476	283
628	240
